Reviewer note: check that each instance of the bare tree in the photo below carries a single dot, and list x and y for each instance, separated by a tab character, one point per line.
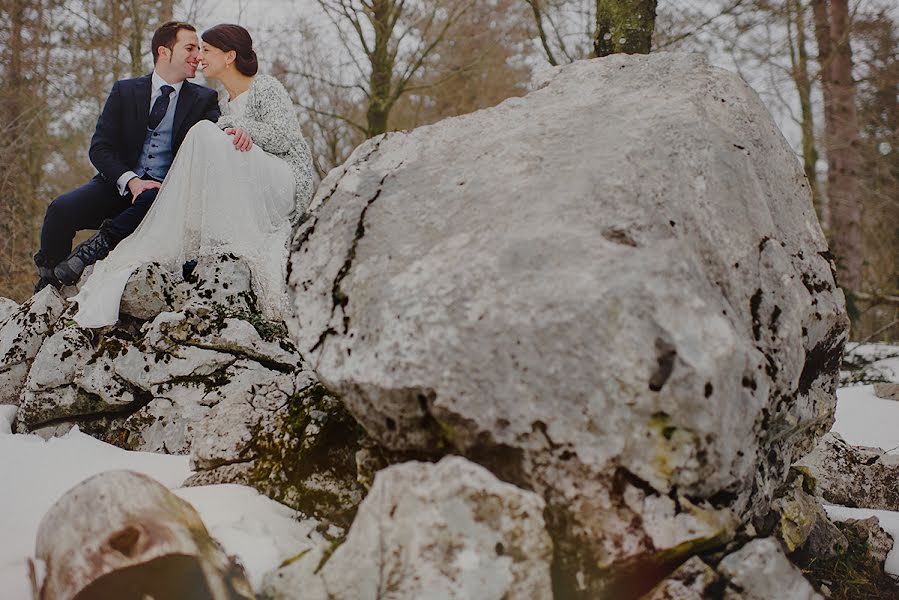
388	41
482	63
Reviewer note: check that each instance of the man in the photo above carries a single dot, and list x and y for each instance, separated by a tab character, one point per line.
138	134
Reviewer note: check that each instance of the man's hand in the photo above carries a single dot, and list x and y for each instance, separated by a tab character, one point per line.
138	186
242	139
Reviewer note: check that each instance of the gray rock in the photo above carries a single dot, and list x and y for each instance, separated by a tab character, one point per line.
760	571
240	338
441	531
879	542
165	425
49	393
887	391
178	364
690	581
7	307
21	336
852	476
149	291
613	291
802	523
70	380
218	281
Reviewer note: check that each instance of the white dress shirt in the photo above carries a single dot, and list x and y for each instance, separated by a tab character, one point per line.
158	82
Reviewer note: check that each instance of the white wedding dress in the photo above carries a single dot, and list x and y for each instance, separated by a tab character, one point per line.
214	200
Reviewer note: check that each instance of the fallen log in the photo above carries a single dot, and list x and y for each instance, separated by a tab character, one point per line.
123	535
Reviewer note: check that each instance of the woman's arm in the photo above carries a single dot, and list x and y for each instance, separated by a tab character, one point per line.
274	125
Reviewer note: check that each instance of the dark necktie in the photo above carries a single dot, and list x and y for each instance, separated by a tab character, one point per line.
160	107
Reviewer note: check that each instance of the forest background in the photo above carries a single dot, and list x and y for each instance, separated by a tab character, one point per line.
826	69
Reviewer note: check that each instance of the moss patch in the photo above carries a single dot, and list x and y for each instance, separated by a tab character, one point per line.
307	458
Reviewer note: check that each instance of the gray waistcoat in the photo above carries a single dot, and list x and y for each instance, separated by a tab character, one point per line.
156	156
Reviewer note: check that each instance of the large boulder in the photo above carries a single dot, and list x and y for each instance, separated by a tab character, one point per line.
449	530
613	291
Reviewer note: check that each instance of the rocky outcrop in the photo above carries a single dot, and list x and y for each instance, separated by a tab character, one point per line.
192	367
447	530
852	476
613	292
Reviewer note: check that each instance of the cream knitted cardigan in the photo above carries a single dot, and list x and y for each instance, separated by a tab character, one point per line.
271	121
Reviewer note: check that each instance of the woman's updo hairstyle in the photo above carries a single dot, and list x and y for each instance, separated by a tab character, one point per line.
228	37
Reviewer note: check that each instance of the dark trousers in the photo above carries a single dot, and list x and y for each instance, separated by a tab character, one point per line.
88	207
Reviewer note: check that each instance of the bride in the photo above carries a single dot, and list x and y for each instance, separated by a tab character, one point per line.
217	199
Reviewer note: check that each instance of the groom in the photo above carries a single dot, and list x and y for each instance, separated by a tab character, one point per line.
138	134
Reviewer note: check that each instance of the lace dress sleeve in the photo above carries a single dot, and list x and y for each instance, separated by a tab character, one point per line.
275	124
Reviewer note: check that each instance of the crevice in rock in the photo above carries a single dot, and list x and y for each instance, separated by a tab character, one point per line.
665	355
338	297
620	236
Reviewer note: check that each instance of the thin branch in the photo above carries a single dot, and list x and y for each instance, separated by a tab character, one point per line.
413	67
319	79
538	18
702	25
346	120
874	335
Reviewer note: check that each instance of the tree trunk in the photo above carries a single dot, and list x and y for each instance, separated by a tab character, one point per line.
121	534
381	69
796	16
136	39
165	14
841	139
624	26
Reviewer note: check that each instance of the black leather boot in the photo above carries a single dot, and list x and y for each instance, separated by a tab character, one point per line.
88	252
45	274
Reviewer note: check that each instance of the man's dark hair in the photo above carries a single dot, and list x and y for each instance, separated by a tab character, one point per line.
166	36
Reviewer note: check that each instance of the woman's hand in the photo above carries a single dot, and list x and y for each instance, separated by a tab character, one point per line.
242	140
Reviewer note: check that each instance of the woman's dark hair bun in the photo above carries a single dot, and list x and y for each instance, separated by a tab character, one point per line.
228	37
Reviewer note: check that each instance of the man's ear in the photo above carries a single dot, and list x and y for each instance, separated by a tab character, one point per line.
164	52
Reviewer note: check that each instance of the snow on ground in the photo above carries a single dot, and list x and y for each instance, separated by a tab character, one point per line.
863	419
261	532
35	473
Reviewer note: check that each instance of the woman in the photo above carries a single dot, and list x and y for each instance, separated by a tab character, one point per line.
217	199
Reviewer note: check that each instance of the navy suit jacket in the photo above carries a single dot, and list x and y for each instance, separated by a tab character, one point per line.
122	126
